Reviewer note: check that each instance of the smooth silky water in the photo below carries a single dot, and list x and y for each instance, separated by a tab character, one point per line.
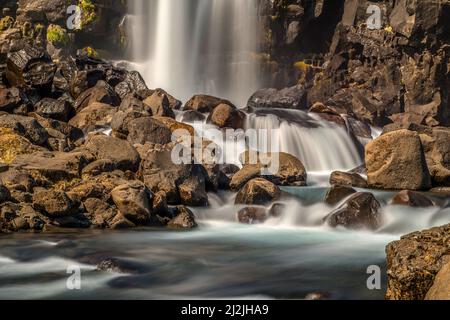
175	46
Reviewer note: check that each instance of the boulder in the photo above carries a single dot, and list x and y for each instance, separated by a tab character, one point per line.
130	109
31	67
102	92
159	104
25	126
204	103
184	219
193	191
18	179
289	170
174	125
441	285
134	201
337	193
54	166
288	98
54	203
414	262
412	199
348	179
227	116
148	129
133	83
94	117
55	109
360	211
252	215
121	152
258	191
396	161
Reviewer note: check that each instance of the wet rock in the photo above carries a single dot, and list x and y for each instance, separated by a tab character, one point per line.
252	215
414	261
134	201
396	161
101	92
118	265
192	116
159	105
55	109
337	193
184	219
288	98
441	285
30	67
159	205
94	117
359	211
412	199
204	103
120	222
244	175
119	151
258	191
227	116
277	210
54	203
25	126
348	179
147	129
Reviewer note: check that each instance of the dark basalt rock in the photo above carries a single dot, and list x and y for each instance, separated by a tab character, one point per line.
30	67
147	129
258	191
102	92
359	211
289	98
412	199
337	193
55	109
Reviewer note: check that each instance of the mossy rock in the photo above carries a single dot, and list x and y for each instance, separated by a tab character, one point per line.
57	35
88	12
6	23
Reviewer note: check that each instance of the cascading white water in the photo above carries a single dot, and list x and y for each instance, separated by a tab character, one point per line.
320	145
197	46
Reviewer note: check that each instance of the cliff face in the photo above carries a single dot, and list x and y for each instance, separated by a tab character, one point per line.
397	72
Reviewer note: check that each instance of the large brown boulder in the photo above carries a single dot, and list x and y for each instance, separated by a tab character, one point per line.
120	151
54	203
204	103
414	262
396	161
184	219
227	116
148	129
289	170
359	211
134	201
258	191
159	104
193	192
54	166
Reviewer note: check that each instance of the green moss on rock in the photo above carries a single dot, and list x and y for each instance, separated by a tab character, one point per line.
88	12
57	35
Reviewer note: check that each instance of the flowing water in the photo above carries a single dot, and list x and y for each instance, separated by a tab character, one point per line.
197	46
193	46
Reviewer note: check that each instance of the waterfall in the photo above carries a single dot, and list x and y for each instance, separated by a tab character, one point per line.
197	46
320	145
